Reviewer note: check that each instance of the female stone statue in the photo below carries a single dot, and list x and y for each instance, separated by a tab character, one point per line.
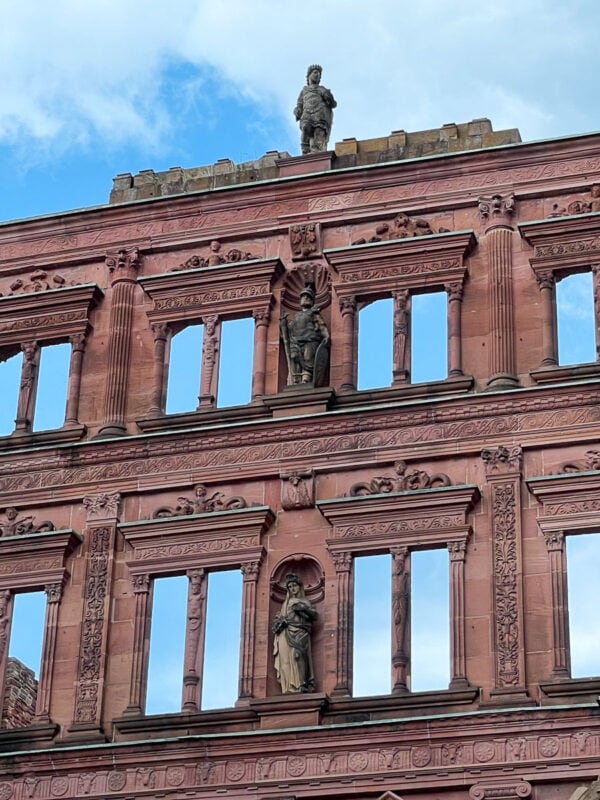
292	627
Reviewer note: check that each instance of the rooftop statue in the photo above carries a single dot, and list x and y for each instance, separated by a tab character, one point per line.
314	112
306	343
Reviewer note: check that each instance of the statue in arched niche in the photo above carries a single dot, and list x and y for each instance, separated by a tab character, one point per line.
292	646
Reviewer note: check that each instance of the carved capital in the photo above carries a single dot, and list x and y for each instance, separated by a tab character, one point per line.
455	290
342	561
555	541
250	571
160	330
457	550
502	460
545	279
54	592
141	584
500	790
78	341
261	316
124	264
347	306
496	210
102	506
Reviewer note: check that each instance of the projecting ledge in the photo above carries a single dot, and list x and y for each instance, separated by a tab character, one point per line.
389	706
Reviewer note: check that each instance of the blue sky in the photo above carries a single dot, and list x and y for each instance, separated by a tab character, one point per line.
92	89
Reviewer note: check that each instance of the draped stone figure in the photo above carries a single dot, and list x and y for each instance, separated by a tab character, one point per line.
292	647
314	112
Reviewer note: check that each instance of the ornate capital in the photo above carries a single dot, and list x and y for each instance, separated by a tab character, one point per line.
160	330
261	316
78	341
54	592
457	550
500	790
555	540
347	306
545	279
497	209
141	584
124	264
250	571
102	506
502	460
342	561
455	290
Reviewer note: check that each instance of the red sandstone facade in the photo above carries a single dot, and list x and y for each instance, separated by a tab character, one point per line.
509	427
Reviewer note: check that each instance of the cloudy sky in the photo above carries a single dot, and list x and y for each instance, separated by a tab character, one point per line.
90	89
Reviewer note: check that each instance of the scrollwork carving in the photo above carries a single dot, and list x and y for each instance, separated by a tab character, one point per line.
405	480
401	227
202	503
15	525
502	459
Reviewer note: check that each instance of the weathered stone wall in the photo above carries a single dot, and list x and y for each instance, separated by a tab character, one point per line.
20	694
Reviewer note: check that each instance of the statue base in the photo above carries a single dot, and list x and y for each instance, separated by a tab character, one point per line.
290	710
305	164
300	399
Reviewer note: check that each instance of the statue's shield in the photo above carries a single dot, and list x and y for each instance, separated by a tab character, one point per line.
321	368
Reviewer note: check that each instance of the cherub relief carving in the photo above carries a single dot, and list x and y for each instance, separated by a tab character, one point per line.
201	503
401	227
215	257
15	525
405	480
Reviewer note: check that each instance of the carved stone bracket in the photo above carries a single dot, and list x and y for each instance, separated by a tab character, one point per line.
297	489
500	790
502	460
305	240
102	506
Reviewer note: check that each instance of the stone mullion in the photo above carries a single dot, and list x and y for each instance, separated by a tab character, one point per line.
547	286
348	343
455	295
259	370
124	270
161	332
27	386
142	591
458	652
596	284
250	573
193	664
209	372
555	543
400	620
6	612
345	622
78	342
53	597
401	353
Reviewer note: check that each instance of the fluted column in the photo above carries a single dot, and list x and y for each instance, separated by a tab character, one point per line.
348	344
458	652
53	597
209	375
141	644
455	296
193	663
78	342
496	213
250	572
401	355
400	620
27	386
259	370
555	543
160	331
123	268
547	285
345	622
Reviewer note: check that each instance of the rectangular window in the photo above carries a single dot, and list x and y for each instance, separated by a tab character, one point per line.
167	643
583	569
235	362
220	684
183	384
10	378
52	386
575	319
430	620
24	659
372	650
429	337
375	336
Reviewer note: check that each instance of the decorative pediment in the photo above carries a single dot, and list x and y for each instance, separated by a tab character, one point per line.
569	501
51	314
426	261
219	538
36	559
565	243
233	288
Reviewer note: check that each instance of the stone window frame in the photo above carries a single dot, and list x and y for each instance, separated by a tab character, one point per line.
193	545
398	523
367	272
34	562
563	246
570	505
45	318
192	296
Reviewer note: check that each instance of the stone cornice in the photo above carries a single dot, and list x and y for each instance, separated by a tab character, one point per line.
570	501
36	559
563	242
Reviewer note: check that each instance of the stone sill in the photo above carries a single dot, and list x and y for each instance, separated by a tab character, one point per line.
29	737
204	416
184	723
362	709
559	374
21	439
405	391
573	688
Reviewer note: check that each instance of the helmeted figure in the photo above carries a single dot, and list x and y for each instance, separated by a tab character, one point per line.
306	343
314	111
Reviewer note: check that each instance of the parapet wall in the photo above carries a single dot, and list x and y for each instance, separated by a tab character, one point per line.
450	138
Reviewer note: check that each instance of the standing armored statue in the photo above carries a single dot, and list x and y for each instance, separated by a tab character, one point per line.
306	343
292	648
314	112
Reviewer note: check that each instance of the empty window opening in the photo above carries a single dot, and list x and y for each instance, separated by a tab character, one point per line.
10	379
375	338
24	659
372	650
52	386
183	384
235	362
429	337
575	319
430	620
583	568
220	684
167	642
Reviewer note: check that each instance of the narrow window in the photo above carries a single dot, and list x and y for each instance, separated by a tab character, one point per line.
429	337
24	659
375	336
167	642
372	650
220	683
430	620
235	362
52	387
575	319
185	358
10	378
583	568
